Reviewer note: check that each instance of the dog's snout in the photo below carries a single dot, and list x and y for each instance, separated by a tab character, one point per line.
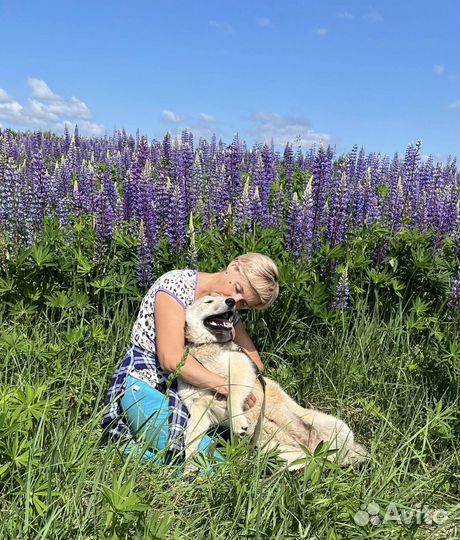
230	302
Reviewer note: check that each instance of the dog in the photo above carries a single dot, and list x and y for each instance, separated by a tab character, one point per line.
284	425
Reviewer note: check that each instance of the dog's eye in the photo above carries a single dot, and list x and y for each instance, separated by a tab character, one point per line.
208	301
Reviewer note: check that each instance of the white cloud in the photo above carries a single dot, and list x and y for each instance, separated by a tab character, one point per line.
41	90
285	128
171	116
438	69
12	108
321	31
345	15
374	16
4	96
455	106
207	117
53	110
48	111
225	28
265	21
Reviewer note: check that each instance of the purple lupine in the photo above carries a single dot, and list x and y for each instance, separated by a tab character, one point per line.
409	179
186	170
277	214
294	227
337	212
397	208
105	218
10	203
144	259
288	168
6	189
192	253
41	188
257	173
243	211
169	209
148	214
181	220
425	213
141	155
423	197
197	182
268	177
394	175
320	186
342	293
232	168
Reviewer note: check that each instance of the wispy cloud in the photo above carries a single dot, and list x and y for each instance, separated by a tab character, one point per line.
47	110
285	128
41	90
171	116
455	106
265	21
204	125
374	16
3	95
206	117
321	31
438	69
223	27
345	15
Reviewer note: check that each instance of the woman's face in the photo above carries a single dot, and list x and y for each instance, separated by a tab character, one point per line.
234	285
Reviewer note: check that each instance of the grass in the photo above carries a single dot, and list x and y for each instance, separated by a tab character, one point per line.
58	481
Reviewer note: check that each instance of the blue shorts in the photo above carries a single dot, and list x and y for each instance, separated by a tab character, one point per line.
147	410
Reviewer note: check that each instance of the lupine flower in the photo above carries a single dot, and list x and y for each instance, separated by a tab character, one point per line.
342	293
337	211
65	176
267	179
192	253
144	259
288	168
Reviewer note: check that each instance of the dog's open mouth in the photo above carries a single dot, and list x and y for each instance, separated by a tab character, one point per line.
222	321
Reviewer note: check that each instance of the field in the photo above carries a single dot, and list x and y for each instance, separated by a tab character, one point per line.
366	327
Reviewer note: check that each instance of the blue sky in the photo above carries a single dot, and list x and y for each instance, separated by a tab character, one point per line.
379	74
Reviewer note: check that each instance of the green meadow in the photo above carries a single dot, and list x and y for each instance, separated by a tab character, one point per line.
388	366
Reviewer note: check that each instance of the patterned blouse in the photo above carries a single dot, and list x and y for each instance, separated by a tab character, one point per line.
141	360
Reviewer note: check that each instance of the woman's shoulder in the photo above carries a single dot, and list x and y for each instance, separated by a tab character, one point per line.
180	283
178	275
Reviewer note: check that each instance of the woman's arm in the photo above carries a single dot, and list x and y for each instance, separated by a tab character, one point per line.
170	338
244	341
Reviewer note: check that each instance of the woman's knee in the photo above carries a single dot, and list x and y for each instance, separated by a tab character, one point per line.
147	411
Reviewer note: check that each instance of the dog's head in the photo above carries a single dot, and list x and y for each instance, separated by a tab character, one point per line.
209	319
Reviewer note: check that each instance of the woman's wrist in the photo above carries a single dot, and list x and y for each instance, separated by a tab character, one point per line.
221	387
222	390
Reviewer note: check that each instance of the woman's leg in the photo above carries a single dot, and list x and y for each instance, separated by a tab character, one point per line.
147	411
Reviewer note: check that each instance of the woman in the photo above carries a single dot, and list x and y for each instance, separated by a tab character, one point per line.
136	397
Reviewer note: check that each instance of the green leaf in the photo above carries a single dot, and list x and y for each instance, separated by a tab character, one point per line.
42	255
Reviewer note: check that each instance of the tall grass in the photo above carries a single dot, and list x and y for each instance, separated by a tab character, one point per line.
59	481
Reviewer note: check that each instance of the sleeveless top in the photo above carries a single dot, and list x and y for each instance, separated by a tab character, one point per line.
141	360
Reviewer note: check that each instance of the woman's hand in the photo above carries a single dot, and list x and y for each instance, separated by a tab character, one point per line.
221	393
249	402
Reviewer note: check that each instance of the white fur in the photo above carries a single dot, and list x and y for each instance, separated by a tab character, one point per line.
285	425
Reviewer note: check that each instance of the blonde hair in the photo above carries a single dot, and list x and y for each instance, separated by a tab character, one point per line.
262	275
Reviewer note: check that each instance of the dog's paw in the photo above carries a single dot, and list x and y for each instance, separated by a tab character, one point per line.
240	425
